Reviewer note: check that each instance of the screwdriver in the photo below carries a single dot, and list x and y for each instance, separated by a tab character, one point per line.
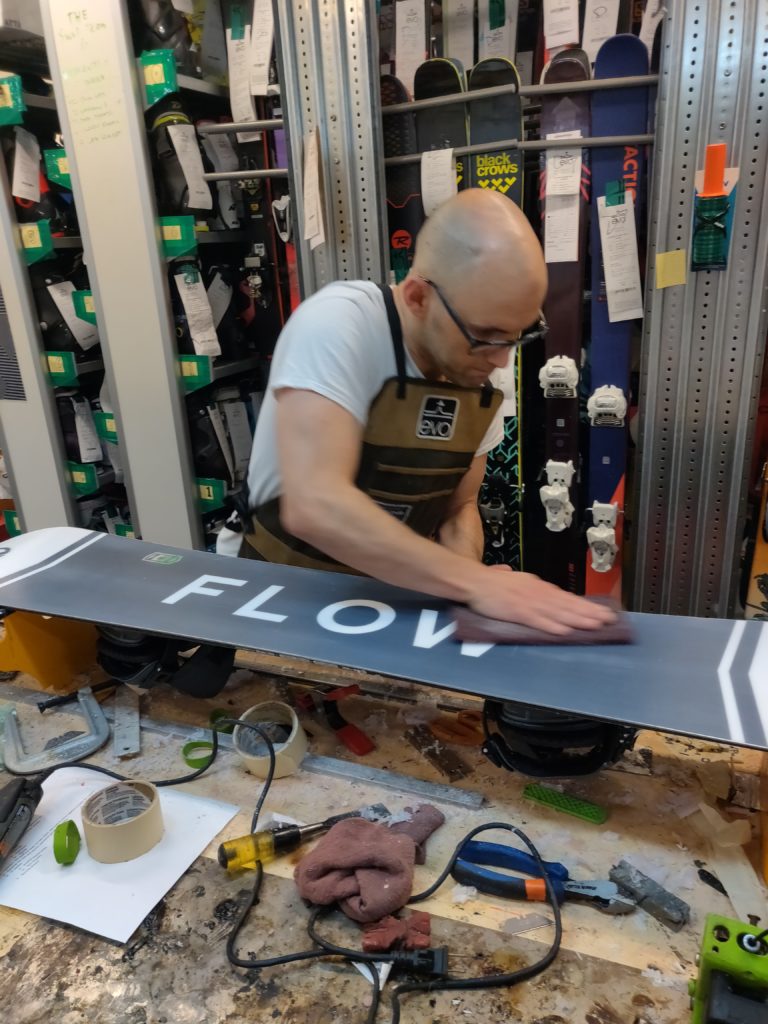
265	846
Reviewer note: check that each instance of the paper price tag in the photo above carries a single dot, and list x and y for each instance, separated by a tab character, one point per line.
26	166
85	333
154	74
240	95
219	297
563	167
620	262
561	229
184	139
496	30
87	438
199	317
30	236
410	39
561	22
438	179
459	30
262	39
600	20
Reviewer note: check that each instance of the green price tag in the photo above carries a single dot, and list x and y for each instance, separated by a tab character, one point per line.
12	104
57	167
36	240
158	68
178	236
124	530
210	493
84	478
83	303
105	426
11	520
195	372
237	22
62	369
497	14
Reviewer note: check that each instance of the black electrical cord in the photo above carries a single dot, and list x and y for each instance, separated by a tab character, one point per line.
762	937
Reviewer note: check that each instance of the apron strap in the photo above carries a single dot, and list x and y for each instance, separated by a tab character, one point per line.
396	330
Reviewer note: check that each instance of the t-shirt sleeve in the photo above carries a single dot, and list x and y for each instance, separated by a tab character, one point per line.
323	349
494	434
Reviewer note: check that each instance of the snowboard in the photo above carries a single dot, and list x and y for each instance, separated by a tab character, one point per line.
405	214
441	127
556	540
614	112
491	120
698	677
757	593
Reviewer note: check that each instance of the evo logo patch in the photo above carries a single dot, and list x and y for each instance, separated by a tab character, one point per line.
437	418
162	558
399	511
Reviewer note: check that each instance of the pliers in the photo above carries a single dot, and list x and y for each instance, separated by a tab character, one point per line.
467	870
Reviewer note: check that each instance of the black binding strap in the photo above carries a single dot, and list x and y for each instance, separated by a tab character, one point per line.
396	330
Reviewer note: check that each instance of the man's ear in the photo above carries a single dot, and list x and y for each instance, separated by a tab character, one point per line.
415	293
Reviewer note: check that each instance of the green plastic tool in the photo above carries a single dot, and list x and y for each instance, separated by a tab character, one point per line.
733	973
563	802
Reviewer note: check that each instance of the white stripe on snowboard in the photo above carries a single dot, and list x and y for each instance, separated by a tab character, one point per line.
758	677
33	551
732	715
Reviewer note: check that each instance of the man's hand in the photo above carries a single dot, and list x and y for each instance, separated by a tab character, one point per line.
524	598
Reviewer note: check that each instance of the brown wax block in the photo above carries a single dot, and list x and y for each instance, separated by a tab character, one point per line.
475	628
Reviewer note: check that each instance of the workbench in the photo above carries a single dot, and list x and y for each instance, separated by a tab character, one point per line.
611	970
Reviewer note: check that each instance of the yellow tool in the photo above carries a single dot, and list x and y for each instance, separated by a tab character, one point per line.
51	650
247	851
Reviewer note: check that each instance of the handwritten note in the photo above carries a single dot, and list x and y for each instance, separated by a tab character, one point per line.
496	42
240	95
459	30
199	316
184	139
26	166
600	20
410	39
563	167
561	229
262	39
561	22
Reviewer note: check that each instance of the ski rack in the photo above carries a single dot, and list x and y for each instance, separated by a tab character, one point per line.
593	85
589	142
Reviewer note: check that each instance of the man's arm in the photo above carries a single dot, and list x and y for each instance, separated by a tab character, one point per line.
462	529
319	451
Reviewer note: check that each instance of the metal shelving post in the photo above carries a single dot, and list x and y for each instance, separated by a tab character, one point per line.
703	343
99	100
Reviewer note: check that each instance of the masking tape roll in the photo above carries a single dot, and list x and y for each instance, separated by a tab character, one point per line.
289	751
122	821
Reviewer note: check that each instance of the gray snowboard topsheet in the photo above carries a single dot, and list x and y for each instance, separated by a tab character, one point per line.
699	677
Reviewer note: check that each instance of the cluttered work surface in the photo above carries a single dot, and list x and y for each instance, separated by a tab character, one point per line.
683	813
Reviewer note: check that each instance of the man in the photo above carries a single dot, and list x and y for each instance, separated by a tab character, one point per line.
371	443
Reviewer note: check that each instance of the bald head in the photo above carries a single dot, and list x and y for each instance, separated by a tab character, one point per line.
480	237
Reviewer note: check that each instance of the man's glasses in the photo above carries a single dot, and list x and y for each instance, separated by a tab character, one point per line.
532	333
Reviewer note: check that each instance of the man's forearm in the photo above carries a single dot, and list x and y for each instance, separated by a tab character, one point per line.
351	528
462	533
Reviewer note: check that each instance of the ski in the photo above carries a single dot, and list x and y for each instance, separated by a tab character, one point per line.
557	543
441	127
614	112
405	214
493	120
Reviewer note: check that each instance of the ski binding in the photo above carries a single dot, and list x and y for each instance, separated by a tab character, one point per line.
607	407
555	497
559	377
601	537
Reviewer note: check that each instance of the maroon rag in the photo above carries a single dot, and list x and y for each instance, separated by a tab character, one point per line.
424	821
476	628
413	933
364	866
418	930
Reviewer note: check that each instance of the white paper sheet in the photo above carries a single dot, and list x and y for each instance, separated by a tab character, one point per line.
620	262
87	439
86	334
184	139
438	179
194	298
459	30
561	229
561	22
497	42
240	95
563	167
262	38
219	296
314	227
26	167
107	899
410	39
600	20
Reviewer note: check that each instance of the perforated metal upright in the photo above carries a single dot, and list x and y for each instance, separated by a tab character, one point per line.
328	66
703	343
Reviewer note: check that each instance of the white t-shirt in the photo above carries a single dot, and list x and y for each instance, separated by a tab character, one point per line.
337	344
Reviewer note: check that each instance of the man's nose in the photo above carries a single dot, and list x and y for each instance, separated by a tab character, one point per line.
499	355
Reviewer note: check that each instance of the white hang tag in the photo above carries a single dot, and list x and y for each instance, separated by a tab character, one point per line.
561	23
239	430
26	166
87	439
459	30
561	229
496	42
438	179
653	15
410	39
219	297
620	262
221	437
600	20
199	317
563	167
184	139
314	227
262	40
220	151
240	95
525	68
85	334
